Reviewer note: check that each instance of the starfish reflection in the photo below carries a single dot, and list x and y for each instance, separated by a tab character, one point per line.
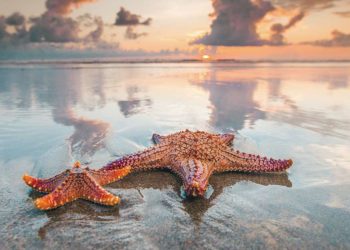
76	214
196	208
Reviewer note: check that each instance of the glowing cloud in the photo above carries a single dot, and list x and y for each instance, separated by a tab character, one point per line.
235	22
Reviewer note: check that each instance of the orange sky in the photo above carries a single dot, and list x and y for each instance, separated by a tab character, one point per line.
176	23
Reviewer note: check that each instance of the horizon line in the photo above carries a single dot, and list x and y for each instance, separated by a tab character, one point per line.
150	61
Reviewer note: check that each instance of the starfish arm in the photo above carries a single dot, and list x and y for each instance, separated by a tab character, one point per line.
154	157
238	161
194	174
227	138
94	192
104	177
157	139
80	185
45	185
64	193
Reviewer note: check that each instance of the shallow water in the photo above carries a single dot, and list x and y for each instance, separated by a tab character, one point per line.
52	115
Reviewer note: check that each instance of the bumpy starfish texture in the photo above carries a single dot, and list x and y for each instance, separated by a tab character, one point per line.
76	183
195	156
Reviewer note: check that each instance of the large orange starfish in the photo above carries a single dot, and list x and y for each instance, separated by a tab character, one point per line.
76	183
194	156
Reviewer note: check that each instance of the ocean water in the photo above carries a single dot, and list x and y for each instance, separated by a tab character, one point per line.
52	115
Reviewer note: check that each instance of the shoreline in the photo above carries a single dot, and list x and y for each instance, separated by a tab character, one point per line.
160	61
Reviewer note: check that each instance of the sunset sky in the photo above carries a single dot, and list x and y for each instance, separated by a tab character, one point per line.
241	29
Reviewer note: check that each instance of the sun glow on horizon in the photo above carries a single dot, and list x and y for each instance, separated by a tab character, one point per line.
206	57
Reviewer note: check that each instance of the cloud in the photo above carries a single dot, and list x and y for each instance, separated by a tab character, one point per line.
126	18
278	29
339	39
235	23
132	35
54	28
20	35
60	29
306	5
343	13
96	34
63	7
16	19
293	21
3	32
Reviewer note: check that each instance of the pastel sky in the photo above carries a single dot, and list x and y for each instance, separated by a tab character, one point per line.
242	29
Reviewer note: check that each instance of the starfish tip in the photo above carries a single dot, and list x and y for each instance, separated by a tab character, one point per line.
115	200
156	138
42	204
28	179
77	164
